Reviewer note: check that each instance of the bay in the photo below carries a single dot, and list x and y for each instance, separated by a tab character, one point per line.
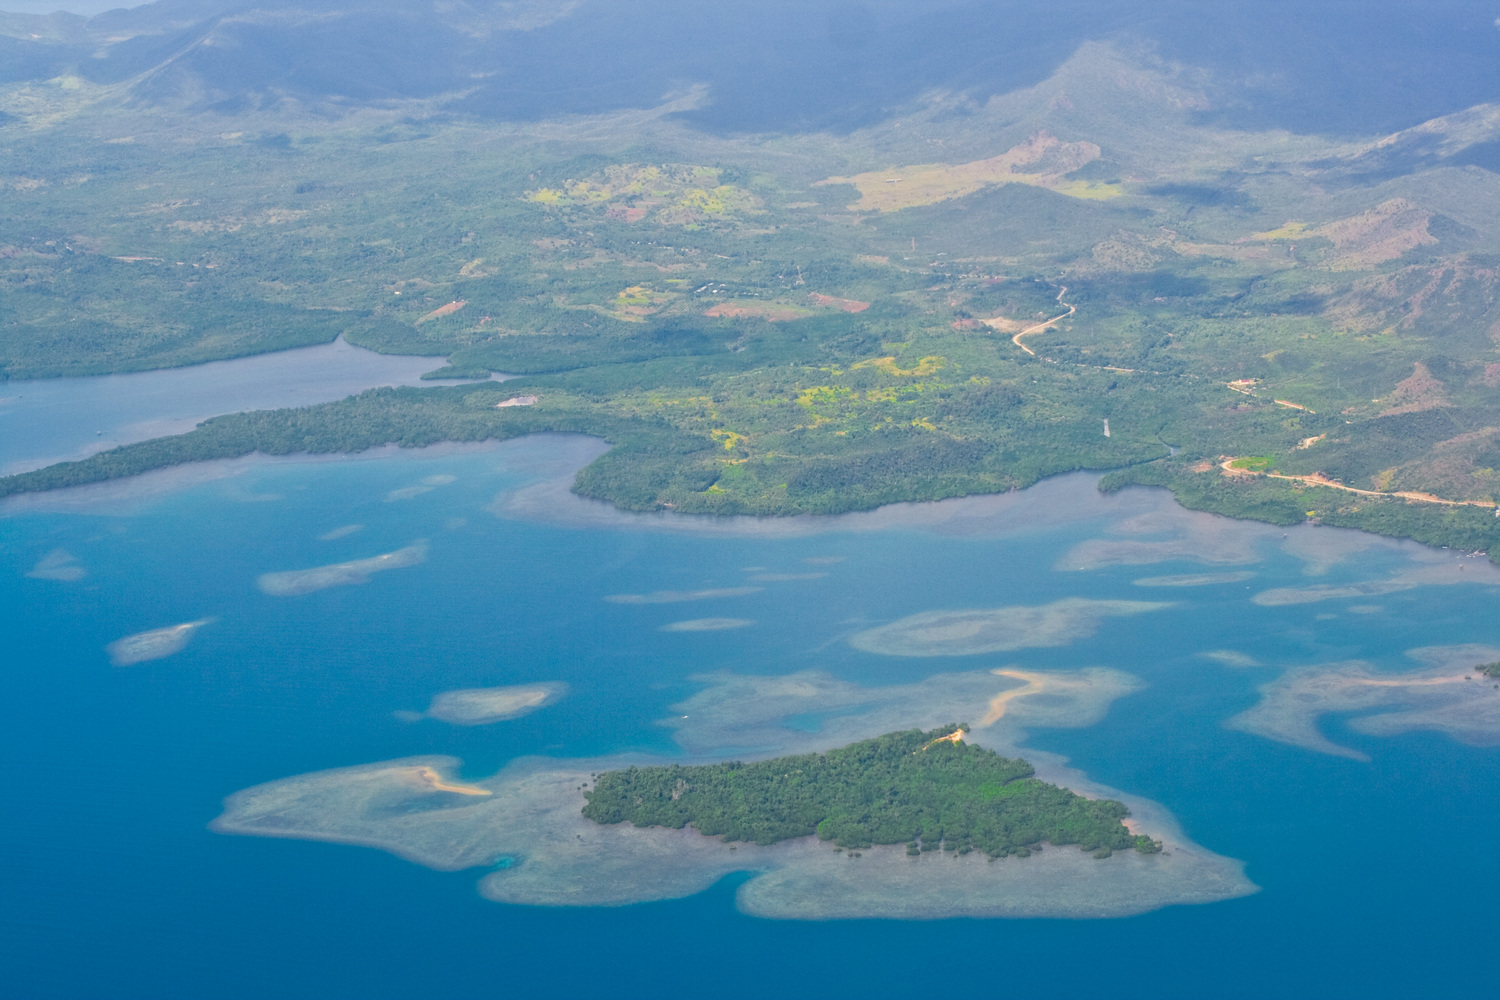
116	772
43	421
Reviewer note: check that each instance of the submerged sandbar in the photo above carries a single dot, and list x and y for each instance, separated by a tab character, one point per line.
678	596
707	624
993	630
60	565
555	856
479	706
153	645
1452	695
296	582
1194	579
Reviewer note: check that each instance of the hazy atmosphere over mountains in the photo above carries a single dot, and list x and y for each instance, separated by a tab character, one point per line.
771	65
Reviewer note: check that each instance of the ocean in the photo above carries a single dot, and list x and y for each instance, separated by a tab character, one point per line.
1376	876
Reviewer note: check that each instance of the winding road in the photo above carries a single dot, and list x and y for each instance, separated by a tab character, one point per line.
1038	328
1316	479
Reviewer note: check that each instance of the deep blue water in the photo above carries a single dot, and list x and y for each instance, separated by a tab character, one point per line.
1378	878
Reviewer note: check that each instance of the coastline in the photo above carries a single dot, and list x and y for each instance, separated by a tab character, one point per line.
552	462
566	479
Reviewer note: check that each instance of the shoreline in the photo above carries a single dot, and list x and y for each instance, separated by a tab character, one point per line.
554	460
530	811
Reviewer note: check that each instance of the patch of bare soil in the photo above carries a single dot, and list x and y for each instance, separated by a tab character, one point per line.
1454	295
769	311
1384	233
847	305
1420	391
444	310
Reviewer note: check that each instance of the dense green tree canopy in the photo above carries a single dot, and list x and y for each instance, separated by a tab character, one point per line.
922	789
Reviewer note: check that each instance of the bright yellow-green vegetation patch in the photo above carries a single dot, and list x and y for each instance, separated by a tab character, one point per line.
639	301
633	304
825	401
1290	231
670	194
926	366
728	437
635	295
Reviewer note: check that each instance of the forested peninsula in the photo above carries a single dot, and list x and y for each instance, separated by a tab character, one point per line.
658	463
1282	327
928	790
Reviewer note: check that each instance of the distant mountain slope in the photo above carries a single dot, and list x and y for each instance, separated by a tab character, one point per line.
769	65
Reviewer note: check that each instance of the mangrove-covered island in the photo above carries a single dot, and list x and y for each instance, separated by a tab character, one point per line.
928	790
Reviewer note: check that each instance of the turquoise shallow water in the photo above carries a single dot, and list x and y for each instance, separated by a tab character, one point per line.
1377	877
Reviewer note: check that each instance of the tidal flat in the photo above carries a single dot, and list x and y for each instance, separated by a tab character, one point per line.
528	823
1448	696
1422	569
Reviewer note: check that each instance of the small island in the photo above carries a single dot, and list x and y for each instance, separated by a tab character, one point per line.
1489	670
929	790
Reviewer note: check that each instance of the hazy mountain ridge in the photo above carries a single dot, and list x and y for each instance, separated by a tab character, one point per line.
771	65
203	55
